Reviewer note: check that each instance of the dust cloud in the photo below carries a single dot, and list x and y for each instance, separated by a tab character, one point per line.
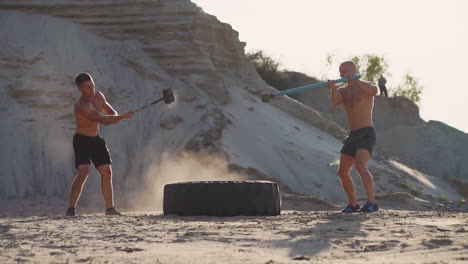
184	167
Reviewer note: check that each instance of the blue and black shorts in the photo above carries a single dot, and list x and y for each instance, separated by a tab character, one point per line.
364	138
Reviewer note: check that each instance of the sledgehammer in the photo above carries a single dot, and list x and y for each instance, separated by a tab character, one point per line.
267	96
168	97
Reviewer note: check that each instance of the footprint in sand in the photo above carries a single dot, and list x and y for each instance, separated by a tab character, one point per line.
129	249
383	246
301	258
435	243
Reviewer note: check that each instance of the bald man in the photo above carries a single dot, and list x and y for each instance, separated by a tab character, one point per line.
357	98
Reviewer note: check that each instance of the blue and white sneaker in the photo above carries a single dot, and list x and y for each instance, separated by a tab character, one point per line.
368	207
350	209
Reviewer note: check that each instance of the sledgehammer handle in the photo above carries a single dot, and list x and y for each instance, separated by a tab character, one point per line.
152	103
316	85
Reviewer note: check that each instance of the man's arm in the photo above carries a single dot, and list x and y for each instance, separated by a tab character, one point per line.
368	88
106	107
95	116
336	97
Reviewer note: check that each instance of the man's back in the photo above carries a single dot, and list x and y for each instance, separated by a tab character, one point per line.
358	107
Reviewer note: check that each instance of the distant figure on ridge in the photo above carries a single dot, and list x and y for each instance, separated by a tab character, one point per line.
357	98
383	89
88	145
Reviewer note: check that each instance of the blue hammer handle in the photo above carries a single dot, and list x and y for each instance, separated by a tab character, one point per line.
316	85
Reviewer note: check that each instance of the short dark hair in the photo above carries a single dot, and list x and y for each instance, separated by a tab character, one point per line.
82	77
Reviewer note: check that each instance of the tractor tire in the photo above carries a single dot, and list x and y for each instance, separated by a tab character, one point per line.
222	198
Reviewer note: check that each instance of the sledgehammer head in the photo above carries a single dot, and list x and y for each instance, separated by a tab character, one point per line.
168	96
265	97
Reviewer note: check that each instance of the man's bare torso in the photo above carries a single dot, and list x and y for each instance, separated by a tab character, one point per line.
358	107
85	126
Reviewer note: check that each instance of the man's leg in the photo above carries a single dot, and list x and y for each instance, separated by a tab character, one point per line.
77	186
361	159
106	184
346	163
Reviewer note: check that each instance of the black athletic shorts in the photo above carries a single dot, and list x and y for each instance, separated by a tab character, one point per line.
89	149
364	138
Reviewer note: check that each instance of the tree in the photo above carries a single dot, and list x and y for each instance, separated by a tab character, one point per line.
262	61
371	66
409	89
268	69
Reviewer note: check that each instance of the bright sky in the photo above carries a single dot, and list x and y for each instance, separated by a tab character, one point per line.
428	39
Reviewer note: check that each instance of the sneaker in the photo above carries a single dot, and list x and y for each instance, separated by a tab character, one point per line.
71	212
112	211
350	209
368	207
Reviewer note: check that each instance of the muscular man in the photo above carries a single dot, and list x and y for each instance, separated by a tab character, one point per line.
357	98
88	145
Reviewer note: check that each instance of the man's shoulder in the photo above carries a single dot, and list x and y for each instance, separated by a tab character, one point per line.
81	106
78	108
99	95
343	89
78	104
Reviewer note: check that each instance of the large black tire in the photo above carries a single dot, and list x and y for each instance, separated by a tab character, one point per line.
222	198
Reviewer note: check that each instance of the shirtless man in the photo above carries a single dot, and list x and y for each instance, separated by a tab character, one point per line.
357	99
88	145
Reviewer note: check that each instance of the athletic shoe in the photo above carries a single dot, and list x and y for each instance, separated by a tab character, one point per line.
368	207
71	212
350	209
112	211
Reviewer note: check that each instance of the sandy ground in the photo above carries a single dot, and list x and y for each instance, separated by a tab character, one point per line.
308	236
